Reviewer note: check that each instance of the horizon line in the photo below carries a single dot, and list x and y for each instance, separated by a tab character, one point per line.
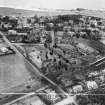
34	9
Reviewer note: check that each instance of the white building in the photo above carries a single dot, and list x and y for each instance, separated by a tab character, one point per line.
91	85
12	32
95	73
77	88
102	78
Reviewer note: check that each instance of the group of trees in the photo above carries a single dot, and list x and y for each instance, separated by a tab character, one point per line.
93	35
33	36
98	46
7	20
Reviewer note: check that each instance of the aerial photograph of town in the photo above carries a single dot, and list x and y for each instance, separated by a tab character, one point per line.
52	52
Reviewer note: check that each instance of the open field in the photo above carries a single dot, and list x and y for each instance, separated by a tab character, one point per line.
16	72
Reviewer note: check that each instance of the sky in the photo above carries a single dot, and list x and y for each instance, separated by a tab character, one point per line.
54	4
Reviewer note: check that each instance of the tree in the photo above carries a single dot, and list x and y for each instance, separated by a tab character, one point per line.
34	36
95	36
5	19
97	45
36	20
29	21
14	23
48	38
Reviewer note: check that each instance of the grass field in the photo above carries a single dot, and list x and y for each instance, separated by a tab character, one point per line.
16	72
